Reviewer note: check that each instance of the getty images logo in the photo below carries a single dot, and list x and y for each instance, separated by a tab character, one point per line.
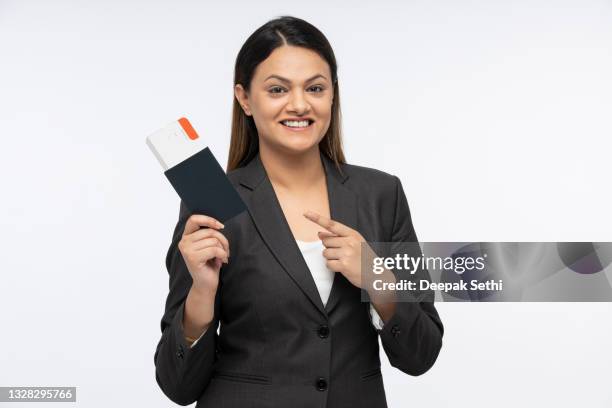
457	264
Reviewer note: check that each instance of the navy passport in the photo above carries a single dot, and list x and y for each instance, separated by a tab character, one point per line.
204	187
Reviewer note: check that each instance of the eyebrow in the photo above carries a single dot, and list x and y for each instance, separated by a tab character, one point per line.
280	78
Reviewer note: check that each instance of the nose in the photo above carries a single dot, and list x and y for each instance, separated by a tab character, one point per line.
298	103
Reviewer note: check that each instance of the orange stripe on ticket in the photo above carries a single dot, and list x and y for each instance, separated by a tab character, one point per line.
188	128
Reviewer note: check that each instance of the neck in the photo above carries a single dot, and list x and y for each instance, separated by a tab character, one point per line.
293	172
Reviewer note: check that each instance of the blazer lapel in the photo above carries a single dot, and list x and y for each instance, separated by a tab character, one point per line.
343	208
272	225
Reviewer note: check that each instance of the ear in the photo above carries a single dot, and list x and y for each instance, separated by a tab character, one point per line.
243	98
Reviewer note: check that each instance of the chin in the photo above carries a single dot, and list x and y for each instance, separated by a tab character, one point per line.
297	144
297	148
296	151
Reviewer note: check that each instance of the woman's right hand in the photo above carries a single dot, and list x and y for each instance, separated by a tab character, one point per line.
204	250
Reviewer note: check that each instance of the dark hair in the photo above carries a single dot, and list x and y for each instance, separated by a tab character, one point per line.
285	30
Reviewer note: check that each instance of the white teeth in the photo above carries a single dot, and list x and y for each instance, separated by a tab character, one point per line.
295	123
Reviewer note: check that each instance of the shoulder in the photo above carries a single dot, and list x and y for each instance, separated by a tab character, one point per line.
363	179
234	175
239	174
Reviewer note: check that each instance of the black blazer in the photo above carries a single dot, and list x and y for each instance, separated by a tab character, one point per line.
278	346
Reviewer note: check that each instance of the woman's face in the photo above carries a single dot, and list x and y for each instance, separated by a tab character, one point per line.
291	86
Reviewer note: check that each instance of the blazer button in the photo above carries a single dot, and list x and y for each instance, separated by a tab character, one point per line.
323	331
321	384
395	330
179	352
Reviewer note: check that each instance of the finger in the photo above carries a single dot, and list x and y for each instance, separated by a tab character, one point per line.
334	265
204	255
329	224
209	253
333	241
332	253
325	234
207	233
196	221
205	243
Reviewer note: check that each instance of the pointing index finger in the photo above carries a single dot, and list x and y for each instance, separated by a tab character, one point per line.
329	224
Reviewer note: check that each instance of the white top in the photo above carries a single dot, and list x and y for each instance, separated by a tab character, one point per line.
313	255
324	278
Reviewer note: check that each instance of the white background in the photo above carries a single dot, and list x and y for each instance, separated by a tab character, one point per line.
496	116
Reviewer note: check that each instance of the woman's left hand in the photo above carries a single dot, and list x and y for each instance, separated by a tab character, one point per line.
342	247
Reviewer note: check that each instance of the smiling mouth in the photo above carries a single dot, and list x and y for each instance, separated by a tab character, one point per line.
297	125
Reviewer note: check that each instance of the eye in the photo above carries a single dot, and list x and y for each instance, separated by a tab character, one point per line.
319	87
276	90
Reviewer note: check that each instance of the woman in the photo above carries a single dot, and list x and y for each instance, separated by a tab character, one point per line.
283	279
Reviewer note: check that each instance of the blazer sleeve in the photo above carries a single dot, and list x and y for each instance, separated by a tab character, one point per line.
412	337
182	372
